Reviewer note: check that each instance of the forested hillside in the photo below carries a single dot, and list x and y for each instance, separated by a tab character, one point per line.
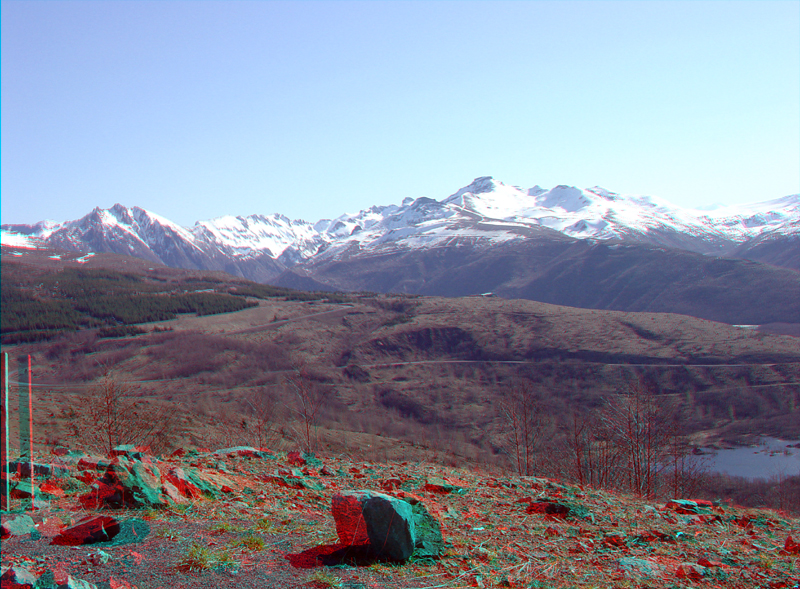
102	298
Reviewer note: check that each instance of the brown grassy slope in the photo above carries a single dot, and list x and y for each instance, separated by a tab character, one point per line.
433	370
422	369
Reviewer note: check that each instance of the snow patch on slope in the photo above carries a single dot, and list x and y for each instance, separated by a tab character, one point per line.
19	240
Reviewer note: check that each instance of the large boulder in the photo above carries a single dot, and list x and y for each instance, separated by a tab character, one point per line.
392	528
243	451
126	483
17	577
100	528
21	525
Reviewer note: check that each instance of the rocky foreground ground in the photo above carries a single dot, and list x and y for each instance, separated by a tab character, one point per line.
243	517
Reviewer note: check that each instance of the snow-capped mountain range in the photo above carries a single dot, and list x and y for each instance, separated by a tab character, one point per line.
482	214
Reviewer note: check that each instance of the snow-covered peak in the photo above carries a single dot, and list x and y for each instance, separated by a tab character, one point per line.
485	211
257	234
566	198
20	240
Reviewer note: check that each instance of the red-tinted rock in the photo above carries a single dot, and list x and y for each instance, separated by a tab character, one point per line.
89	530
17	577
690	506
126	483
350	525
387	521
391	484
23	490
131	451
171	492
52	489
295	459
93	462
791	546
60	451
653	535
553	531
178	453
178	477
441	487
614	541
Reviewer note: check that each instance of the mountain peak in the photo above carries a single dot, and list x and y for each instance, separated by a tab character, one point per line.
481	185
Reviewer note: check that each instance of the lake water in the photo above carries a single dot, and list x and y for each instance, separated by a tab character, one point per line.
771	458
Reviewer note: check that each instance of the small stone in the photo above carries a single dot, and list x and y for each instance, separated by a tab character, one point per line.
391	484
442	487
73	583
130	451
689	570
23	490
52	489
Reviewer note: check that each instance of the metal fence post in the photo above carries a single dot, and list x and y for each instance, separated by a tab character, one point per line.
5	478
26	415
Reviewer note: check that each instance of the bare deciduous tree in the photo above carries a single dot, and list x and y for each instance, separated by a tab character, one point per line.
308	400
109	414
263	410
526	424
633	444
642	425
594	456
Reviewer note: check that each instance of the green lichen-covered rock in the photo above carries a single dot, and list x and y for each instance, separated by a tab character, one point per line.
20	525
442	487
428	533
143	480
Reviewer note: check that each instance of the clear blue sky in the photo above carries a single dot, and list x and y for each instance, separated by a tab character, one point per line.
200	109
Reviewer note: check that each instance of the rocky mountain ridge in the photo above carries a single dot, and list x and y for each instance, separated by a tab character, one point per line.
485	211
547	245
